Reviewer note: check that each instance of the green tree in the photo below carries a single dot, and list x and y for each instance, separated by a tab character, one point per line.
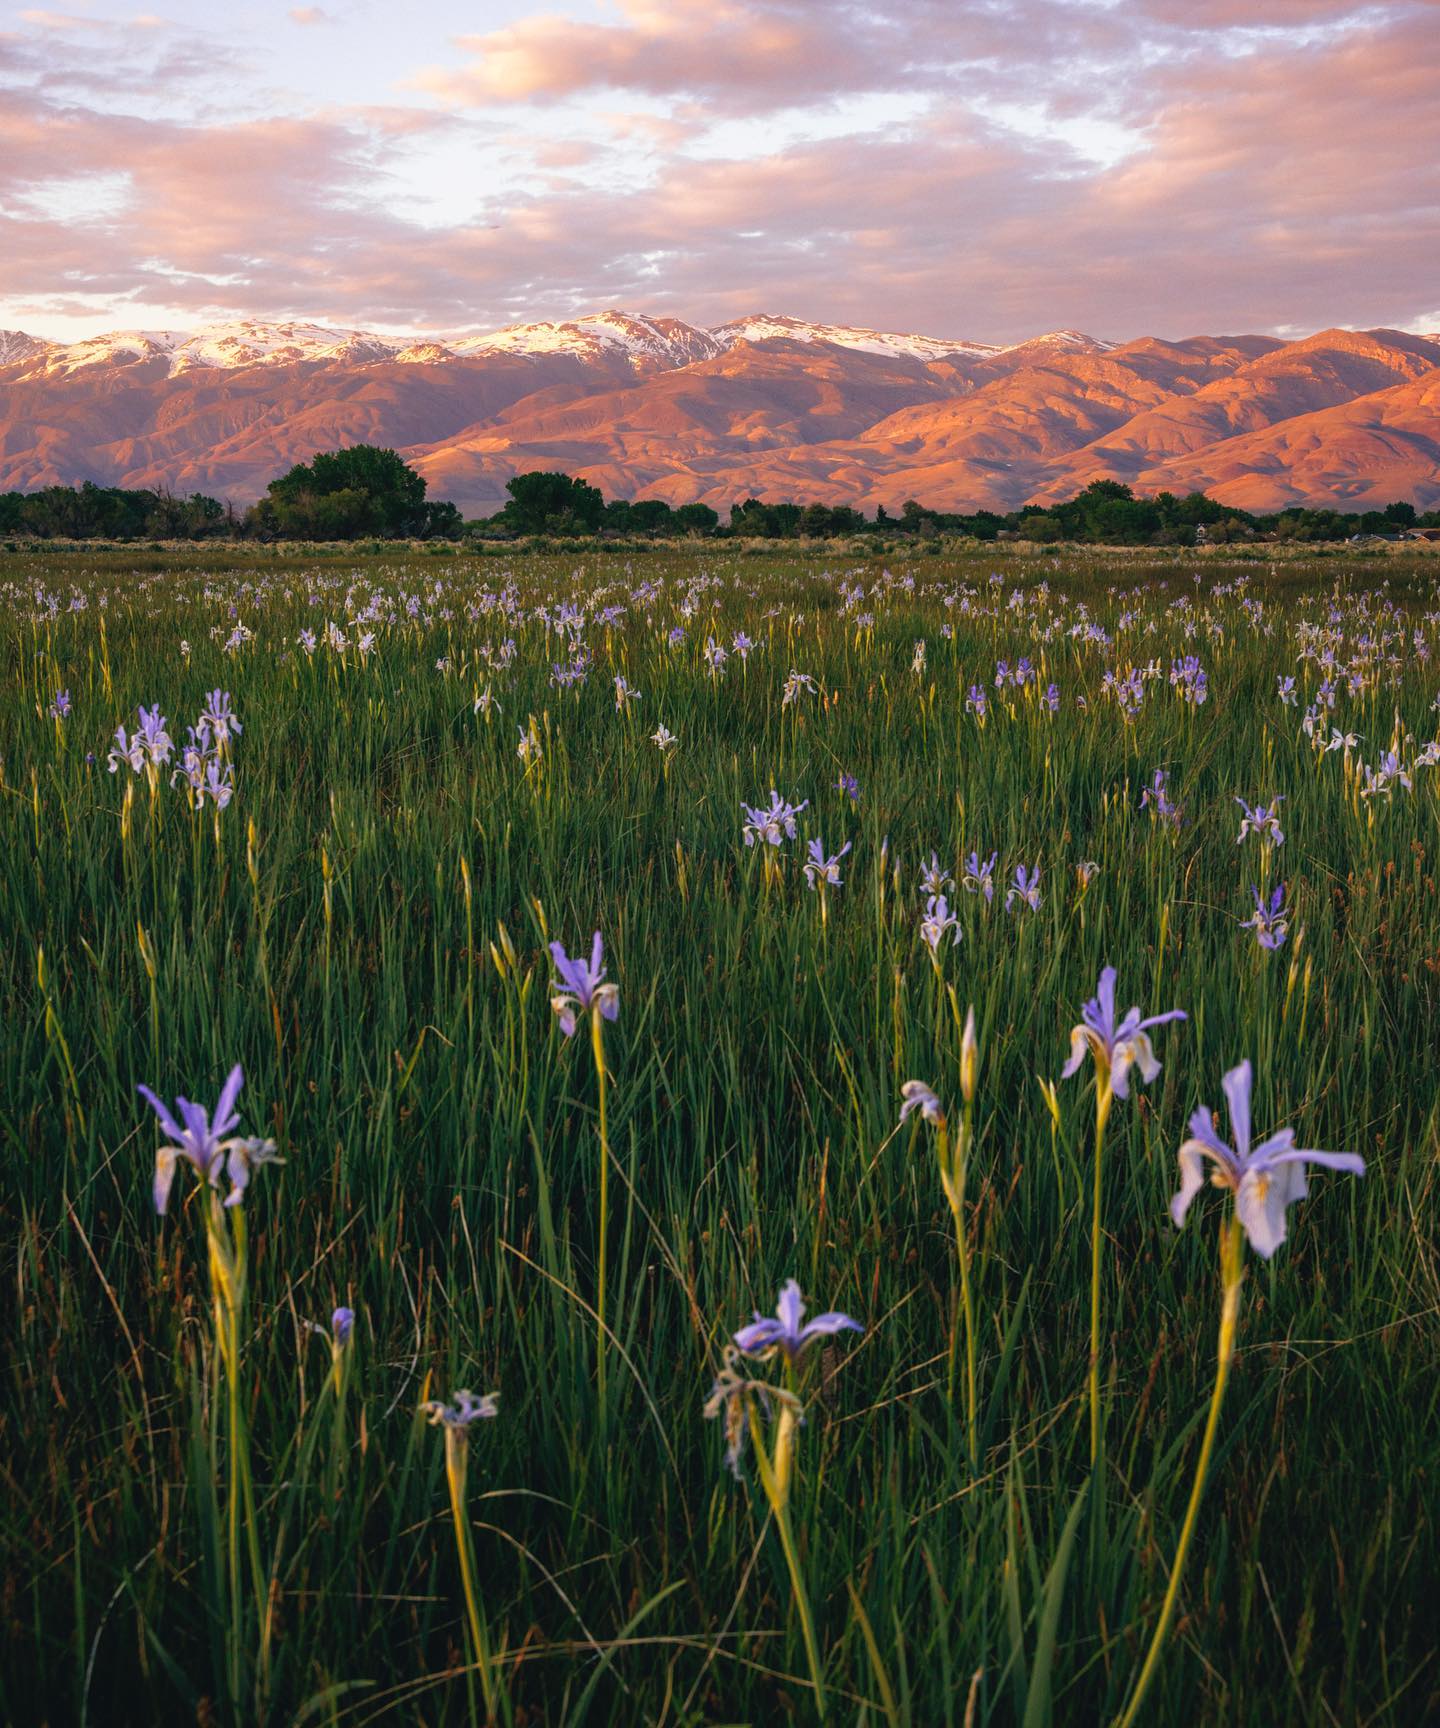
545	502
344	493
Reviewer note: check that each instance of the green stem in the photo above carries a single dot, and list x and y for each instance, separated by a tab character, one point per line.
775	1479
456	1448
1103	1097
955	1194
1232	1248
597	1041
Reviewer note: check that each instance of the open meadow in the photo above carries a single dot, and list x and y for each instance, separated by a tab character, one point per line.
818	809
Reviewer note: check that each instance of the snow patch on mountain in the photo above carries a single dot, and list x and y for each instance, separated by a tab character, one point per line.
16	345
768	327
666	340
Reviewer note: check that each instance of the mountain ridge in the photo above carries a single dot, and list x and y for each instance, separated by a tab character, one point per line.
765	405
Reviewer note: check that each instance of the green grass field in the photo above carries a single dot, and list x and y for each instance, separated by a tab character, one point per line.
211	1514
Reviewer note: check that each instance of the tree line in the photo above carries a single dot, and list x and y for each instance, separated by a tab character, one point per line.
367	493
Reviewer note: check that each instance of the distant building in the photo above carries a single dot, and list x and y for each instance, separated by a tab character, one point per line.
1422	533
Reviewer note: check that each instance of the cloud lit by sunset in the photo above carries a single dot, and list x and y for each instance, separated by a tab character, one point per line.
962	169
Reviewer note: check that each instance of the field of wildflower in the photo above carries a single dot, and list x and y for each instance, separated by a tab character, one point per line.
704	1138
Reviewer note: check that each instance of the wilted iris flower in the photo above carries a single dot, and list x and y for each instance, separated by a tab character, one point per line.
796	684
1024	889
580	986
730	1398
203	1143
819	868
785	1333
1265	1179
1118	1045
625	693
528	749
1262	820
1271	919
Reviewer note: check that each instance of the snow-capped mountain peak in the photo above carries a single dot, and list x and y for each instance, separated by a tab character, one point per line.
637	337
769	327
642	341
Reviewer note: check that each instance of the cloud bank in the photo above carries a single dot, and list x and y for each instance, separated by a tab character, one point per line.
980	169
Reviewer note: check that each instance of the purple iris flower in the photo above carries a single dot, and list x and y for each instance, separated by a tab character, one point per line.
342	1324
465	1409
773	825
1270	922
1262	820
935	878
1025	887
979	877
203	1143
1118	1045
581	986
1265	1179
916	1095
820	868
60	706
938	922
785	1333
850	786
219	716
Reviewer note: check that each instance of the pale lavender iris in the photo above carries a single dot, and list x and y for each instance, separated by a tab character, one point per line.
822	869
916	1095
979	877
464	1409
581	985
1024	889
1265	1179
204	1142
1271	919
785	1332
1262	820
1117	1044
772	826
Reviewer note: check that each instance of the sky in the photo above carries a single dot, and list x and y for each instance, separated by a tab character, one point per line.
967	169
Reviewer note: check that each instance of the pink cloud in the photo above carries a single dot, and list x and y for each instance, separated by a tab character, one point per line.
1293	182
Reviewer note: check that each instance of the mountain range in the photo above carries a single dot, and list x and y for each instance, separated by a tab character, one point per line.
764	406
